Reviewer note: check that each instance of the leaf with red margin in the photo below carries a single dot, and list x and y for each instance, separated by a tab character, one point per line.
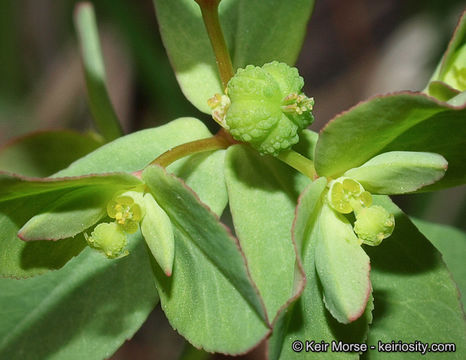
20	259
210	297
263	192
43	153
86	310
342	265
14	186
415	296
56	317
441	91
127	154
307	318
394	122
69	215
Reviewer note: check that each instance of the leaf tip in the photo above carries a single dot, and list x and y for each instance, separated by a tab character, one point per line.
22	236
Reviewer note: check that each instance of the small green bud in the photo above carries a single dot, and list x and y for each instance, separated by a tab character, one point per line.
373	224
108	238
125	209
267	108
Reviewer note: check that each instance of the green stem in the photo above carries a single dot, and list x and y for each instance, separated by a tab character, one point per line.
209	10
299	162
219	141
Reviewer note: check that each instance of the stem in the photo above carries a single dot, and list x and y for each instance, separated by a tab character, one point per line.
209	10
219	141
299	162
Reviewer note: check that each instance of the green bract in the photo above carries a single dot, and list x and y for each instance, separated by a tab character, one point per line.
267	107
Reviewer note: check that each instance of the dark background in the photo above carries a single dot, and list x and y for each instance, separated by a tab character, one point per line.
353	50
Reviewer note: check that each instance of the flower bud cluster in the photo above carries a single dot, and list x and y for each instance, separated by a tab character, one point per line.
111	238
373	223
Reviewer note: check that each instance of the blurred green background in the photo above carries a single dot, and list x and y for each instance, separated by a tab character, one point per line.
353	50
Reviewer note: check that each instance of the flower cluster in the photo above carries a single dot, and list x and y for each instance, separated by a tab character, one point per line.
373	223
111	238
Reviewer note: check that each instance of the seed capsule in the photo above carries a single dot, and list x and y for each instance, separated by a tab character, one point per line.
373	224
108	238
266	107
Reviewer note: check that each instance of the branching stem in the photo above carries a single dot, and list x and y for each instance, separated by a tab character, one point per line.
209	10
220	141
299	162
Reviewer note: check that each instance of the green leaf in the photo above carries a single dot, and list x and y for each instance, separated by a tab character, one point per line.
415	297
450	56
209	275
259	188
256	42
343	267
396	122
68	216
451	243
21	259
441	91
308	319
130	153
204	174
15	186
399	172
117	291
135	151
44	153
99	101
84	311
247	31
157	231
458	100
